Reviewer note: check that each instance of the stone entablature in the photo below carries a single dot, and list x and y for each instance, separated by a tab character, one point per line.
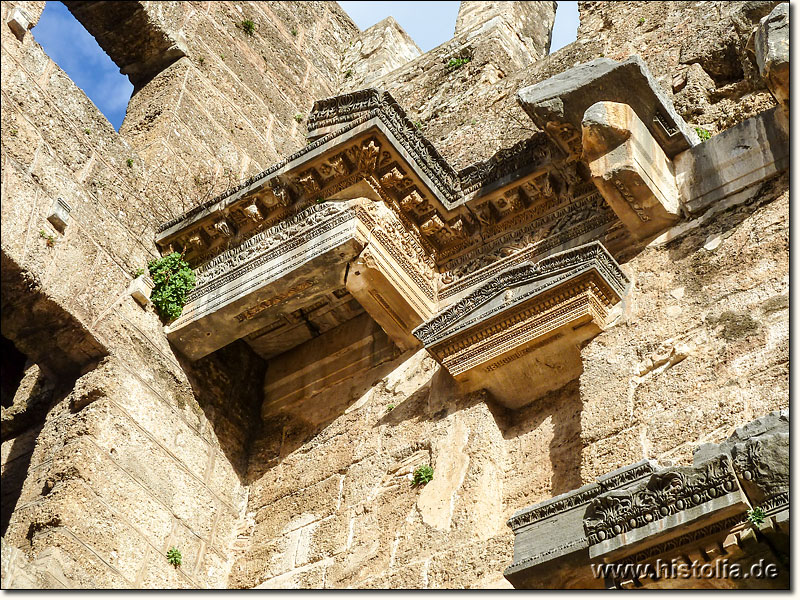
482	208
560	301
327	249
498	269
653	513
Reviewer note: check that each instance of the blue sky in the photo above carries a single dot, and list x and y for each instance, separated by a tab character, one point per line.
76	51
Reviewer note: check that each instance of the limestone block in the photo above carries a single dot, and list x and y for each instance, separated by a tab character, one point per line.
772	53
19	23
140	289
629	168
531	22
557	105
732	162
379	50
59	214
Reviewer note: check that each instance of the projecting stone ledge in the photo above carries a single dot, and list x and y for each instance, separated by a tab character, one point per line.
318	257
518	335
643	514
557	104
629	168
772	53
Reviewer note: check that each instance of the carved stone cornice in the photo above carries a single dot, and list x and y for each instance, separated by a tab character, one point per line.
643	512
370	139
590	255
298	263
666	493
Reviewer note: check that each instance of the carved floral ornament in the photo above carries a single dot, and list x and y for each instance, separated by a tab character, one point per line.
665	493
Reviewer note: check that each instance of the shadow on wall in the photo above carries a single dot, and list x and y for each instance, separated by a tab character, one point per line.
284	432
228	387
22	421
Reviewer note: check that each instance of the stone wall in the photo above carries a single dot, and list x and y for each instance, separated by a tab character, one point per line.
471	112
140	452
699	348
233	102
116	451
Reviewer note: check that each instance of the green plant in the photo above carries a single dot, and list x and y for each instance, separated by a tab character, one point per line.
87	131
222	56
298	117
473	122
201	60
139	272
422	475
704	134
756	515
390	408
320	200
249	27
173	279
51	240
641	21
457	63
174	557
294	31
13	132
348	74
419	125
129	162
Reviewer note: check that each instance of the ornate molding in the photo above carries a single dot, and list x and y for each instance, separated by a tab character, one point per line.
666	493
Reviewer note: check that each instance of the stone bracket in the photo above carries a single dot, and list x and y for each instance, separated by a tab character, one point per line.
630	168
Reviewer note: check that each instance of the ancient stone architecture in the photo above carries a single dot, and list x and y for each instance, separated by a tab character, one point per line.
559	281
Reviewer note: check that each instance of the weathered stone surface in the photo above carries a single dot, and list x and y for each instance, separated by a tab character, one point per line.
733	162
145	450
376	51
642	511
629	167
531	21
772	52
550	305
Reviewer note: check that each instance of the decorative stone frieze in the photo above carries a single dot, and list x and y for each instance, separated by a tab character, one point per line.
553	531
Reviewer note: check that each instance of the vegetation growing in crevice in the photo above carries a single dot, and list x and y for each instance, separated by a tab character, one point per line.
248	26
50	240
422	475
173	279
457	63
703	134
174	557
756	515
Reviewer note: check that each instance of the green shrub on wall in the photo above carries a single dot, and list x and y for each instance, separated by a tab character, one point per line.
173	279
